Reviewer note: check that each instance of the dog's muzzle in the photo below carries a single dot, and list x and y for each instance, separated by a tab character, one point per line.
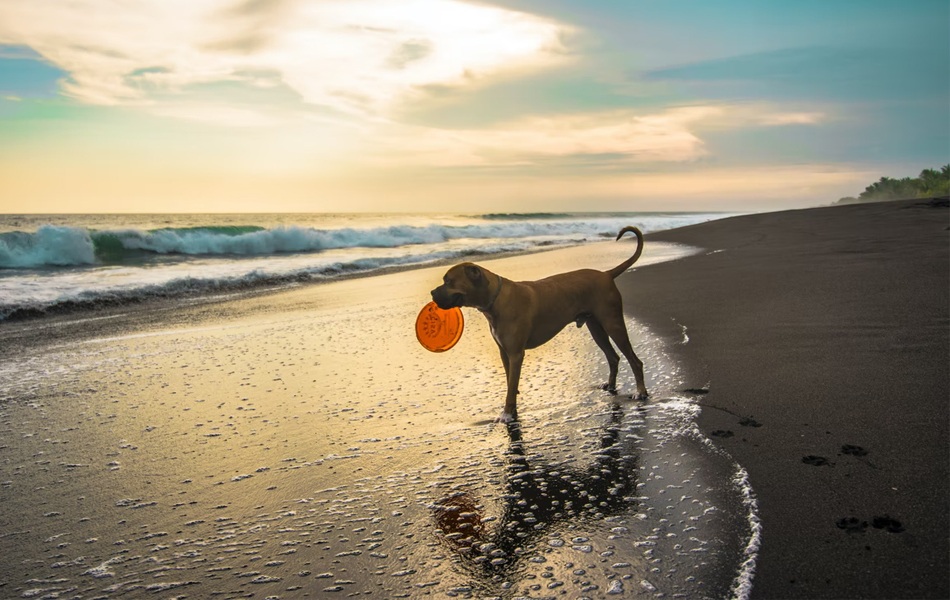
444	300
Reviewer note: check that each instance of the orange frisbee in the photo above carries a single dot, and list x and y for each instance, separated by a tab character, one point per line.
437	329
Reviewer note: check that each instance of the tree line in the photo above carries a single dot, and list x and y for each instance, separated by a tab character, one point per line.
929	184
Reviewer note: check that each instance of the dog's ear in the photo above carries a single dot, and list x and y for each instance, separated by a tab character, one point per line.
474	273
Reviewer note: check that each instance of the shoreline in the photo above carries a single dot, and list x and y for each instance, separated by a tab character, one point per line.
161	311
195	304
818	346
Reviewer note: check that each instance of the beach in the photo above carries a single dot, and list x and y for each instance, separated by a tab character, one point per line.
822	338
301	443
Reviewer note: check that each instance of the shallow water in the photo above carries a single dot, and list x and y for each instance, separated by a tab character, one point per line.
316	450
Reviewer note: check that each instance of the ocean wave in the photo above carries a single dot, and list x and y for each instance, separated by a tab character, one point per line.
69	246
50	245
76	265
29	304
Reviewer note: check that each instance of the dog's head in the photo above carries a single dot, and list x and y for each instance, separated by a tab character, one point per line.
465	284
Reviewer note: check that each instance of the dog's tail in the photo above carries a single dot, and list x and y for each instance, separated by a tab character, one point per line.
616	271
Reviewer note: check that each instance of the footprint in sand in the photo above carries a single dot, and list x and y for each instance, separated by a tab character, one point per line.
888	524
750	422
815	461
855	525
853	450
852	524
697	391
722	433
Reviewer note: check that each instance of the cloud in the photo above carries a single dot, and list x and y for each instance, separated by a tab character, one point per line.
793	118
355	56
746	115
620	136
673	135
663	136
408	52
223	115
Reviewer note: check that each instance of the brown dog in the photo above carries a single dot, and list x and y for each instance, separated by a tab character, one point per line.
526	314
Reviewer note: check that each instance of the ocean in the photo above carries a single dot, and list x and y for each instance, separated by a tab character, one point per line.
52	263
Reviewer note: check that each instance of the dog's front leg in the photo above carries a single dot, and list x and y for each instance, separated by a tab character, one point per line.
504	361
512	362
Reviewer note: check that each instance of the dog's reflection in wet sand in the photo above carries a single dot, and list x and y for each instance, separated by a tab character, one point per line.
537	497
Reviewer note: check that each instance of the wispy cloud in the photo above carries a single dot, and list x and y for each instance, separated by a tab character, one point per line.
354	56
663	136
672	135
744	115
793	118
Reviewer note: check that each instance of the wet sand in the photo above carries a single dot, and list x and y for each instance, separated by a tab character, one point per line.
303	444
821	337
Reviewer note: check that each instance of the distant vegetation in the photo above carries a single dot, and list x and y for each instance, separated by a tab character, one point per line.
930	183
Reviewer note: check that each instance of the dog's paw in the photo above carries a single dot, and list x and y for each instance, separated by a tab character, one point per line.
642	396
610	390
506	417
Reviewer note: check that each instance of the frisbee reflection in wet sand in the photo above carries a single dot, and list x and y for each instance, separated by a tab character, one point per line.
437	329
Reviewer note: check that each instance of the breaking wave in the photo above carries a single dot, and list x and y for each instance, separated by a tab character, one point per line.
190	286
69	246
78	265
56	246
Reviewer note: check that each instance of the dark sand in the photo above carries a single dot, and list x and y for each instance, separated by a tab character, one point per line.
822	336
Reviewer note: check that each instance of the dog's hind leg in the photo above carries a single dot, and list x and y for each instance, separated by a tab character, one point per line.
617	330
613	359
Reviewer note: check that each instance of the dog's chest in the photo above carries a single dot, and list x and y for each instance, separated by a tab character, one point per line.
493	327
494	332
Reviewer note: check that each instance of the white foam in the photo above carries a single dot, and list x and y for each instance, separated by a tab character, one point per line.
742	586
742	583
679	414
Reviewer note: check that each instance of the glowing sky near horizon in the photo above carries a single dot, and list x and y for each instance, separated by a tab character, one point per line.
445	105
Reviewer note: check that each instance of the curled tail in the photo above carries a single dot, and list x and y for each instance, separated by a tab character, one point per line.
616	271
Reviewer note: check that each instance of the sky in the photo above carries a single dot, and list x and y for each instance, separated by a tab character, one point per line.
452	106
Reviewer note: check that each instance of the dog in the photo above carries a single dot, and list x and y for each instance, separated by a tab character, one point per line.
525	314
